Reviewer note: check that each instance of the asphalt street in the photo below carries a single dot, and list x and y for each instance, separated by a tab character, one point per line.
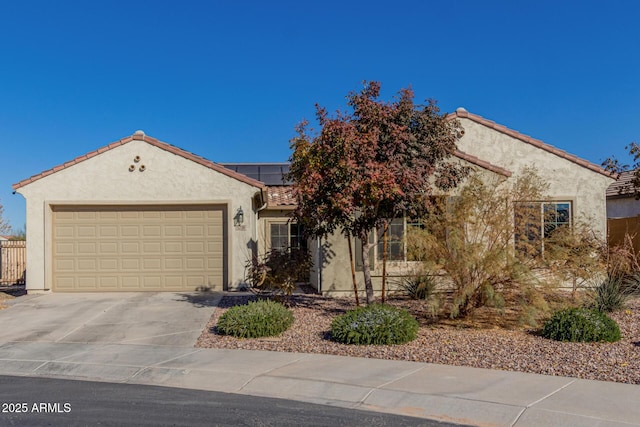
55	402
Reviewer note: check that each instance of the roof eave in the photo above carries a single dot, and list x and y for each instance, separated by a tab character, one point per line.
152	141
463	114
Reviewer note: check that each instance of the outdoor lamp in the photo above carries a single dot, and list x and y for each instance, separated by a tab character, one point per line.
239	218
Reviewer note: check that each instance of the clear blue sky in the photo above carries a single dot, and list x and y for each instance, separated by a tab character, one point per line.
228	80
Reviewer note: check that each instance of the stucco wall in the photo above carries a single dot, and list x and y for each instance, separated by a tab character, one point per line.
335	271
106	179
567	180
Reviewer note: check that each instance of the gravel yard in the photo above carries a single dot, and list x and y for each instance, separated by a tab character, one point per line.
4	297
494	348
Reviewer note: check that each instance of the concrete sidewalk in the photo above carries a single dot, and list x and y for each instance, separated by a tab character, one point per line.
455	394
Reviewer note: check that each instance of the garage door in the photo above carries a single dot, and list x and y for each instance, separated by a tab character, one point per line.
138	248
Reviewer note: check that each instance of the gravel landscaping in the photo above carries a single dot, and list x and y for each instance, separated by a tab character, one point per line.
4	297
450	343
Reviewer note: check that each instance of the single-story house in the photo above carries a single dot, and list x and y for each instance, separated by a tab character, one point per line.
141	214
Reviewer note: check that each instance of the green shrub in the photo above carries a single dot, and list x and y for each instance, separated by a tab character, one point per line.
257	319
418	287
374	324
612	293
581	325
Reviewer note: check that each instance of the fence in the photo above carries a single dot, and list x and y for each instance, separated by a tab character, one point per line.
619	228
13	262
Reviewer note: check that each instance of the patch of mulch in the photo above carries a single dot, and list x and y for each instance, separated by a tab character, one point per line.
449	343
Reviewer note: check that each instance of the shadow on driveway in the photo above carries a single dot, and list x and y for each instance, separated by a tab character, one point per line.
202	298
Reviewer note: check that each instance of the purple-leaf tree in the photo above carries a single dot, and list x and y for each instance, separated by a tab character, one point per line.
380	161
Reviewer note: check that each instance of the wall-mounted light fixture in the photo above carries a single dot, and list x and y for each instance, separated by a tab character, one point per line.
238	219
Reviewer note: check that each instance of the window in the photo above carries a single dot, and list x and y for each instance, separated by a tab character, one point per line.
395	241
286	236
536	221
400	245
395	244
556	214
397	249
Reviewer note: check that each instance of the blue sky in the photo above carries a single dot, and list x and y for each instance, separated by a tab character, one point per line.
229	80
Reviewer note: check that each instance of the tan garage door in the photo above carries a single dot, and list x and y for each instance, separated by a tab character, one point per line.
134	248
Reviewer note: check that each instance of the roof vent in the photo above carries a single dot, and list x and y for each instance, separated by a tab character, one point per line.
139	132
461	110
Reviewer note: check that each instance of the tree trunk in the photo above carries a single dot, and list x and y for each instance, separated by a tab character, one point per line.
366	268
353	271
385	238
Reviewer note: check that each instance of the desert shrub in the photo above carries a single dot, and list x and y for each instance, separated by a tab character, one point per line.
581	325
263	318
534	306
470	238
487	241
622	258
575	254
613	292
374	324
278	271
419	287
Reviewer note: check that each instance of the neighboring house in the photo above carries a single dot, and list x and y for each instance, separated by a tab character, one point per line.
3	238
621	200
140	214
623	212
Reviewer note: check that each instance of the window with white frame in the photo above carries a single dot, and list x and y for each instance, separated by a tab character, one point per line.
396	239
286	235
395	244
536	221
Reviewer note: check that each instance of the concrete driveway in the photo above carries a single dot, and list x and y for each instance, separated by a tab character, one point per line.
148	318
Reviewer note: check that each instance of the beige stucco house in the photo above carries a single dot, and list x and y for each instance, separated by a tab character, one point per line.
576	191
141	214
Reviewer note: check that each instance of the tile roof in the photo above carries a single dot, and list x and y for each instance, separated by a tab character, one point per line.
280	196
140	136
623	185
462	113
